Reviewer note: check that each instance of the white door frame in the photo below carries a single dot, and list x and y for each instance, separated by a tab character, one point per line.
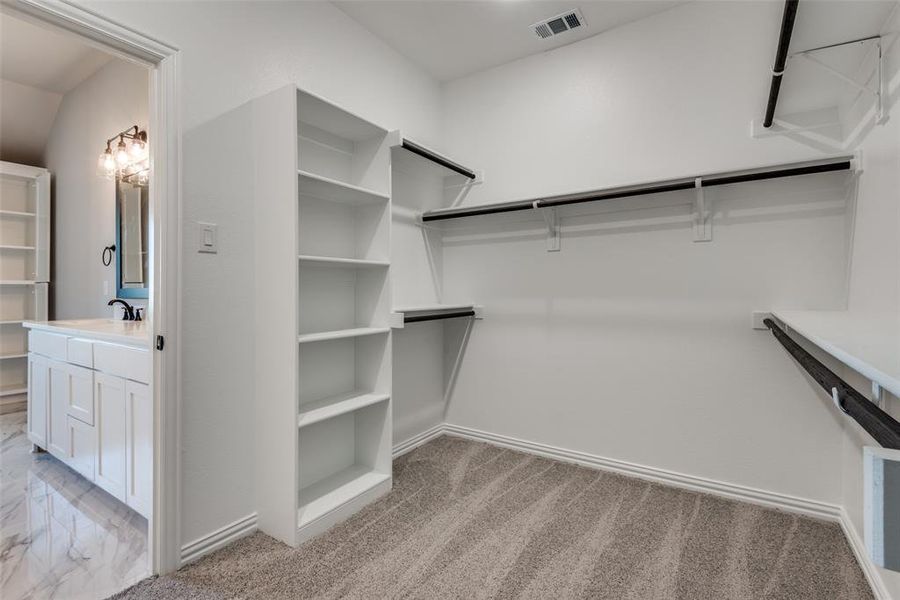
164	527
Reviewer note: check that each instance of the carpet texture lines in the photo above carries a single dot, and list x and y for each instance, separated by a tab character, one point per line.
471	520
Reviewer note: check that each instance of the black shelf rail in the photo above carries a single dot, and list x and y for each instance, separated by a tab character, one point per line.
781	56
880	425
437	158
456	314
841	163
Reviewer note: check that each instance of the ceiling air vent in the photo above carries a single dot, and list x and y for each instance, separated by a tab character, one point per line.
558	24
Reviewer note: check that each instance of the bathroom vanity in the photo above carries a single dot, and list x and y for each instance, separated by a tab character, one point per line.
89	402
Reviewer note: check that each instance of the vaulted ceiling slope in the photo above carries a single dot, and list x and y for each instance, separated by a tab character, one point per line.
37	67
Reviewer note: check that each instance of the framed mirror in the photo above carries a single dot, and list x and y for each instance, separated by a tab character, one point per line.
132	256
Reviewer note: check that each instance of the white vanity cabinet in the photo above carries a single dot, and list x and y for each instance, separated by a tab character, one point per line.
89	405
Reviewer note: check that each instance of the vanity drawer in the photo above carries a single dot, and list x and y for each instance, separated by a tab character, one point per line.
80	352
51	345
124	361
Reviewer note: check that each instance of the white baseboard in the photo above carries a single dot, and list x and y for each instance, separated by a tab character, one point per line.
862	557
417	440
812	508
218	539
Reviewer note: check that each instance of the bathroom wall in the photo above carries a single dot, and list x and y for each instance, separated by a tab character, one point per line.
84	208
231	52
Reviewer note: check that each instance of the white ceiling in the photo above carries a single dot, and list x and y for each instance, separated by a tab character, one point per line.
452	38
37	67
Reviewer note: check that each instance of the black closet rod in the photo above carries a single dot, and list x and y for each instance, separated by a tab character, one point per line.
437	158
781	56
447	315
880	425
837	164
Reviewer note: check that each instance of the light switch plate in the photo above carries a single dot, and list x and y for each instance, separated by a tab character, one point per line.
207	238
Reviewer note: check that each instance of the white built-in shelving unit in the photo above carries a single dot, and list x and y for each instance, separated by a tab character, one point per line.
323	336
24	271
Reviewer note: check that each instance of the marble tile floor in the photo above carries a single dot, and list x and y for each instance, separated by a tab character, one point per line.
61	537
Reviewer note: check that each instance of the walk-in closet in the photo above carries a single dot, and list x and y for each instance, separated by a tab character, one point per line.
490	299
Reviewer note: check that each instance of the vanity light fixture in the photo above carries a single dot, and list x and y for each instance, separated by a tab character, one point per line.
129	159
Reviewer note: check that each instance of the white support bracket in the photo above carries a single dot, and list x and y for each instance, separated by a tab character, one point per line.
877	91
551	219
702	214
877	395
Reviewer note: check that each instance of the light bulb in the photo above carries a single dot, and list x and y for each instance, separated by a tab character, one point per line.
121	153
136	150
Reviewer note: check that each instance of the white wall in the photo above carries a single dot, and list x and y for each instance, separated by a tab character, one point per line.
232	52
84	204
633	342
26	115
875	273
667	96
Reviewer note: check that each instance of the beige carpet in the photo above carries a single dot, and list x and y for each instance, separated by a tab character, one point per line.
469	520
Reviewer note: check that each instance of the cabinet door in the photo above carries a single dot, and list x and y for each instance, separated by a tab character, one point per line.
81	394
139	463
82	447
109	421
58	421
38	399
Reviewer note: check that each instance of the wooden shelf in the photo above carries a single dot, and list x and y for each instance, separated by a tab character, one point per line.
305	338
12	247
17	282
12	322
13	389
342	262
333	406
335	119
432	308
352	263
11	356
16	213
337	191
868	343
333	492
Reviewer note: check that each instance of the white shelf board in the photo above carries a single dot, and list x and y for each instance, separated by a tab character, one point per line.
333	406
432	308
17	282
305	338
342	262
13	389
10	356
410	162
17	213
326	188
868	343
332	118
12	247
333	492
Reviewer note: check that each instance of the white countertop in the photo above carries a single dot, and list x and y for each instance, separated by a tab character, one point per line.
131	333
867	342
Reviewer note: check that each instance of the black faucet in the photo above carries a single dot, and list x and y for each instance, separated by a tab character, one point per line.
128	310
